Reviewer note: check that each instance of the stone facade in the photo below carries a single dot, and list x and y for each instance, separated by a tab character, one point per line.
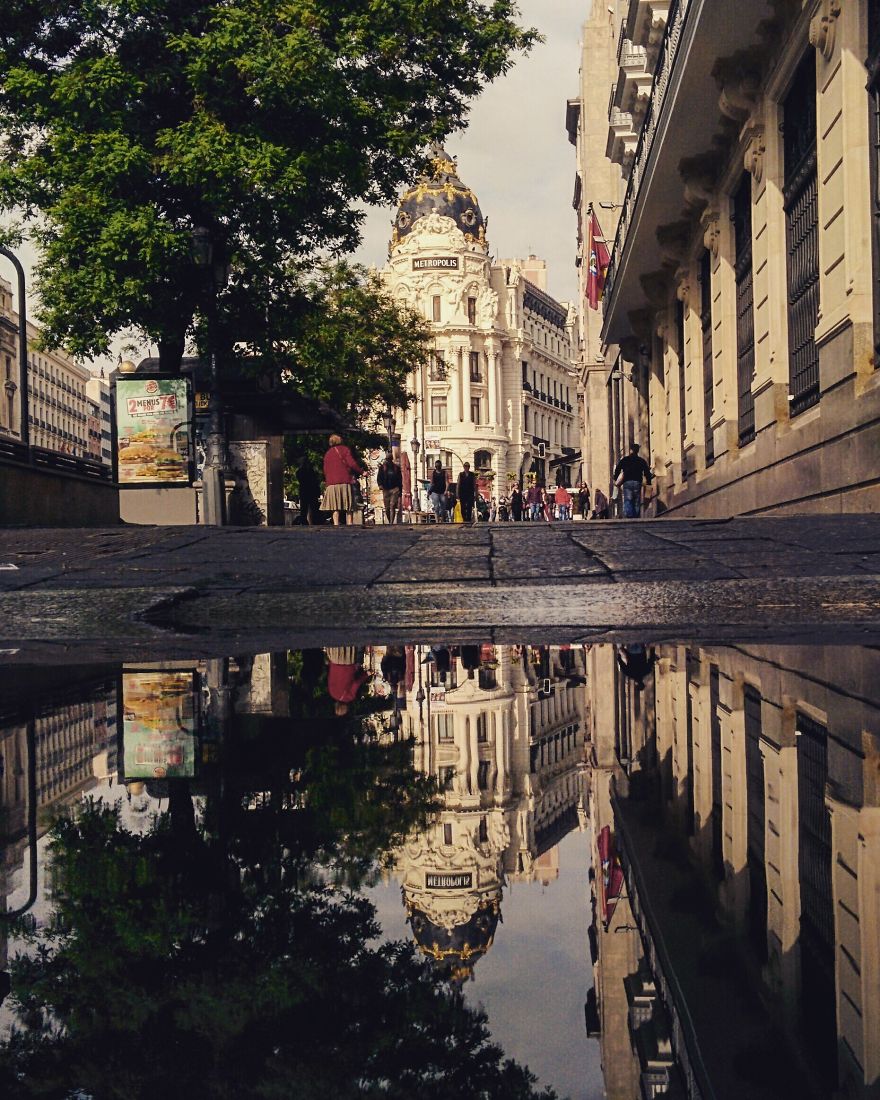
57	401
499	390
739	324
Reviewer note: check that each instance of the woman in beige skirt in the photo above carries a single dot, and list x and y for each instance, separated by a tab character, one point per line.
340	470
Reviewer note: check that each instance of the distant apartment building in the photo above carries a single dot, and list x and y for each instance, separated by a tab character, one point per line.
58	407
731	155
98	393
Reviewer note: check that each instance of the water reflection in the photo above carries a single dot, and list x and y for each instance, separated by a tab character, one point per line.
211	836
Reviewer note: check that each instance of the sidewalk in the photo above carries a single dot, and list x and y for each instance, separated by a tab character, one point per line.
802	578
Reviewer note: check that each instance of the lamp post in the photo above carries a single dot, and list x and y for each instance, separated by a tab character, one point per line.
24	433
213	484
414	443
390	424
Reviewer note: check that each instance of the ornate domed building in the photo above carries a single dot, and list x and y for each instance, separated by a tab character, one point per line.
499	387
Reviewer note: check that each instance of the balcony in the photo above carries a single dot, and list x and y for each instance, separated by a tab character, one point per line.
646	22
622	137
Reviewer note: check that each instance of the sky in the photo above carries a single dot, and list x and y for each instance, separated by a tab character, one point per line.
515	154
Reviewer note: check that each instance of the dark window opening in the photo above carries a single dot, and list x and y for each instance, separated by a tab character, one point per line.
706	329
755	824
472	311
801	201
435	307
483	775
873	66
476	375
682	411
745	311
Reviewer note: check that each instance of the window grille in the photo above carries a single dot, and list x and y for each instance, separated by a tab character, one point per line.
706	328
801	200
745	311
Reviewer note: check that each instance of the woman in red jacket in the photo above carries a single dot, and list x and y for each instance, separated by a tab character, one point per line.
341	469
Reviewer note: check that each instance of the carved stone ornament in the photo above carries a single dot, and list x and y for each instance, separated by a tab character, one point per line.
711	223
753	157
683	286
823	26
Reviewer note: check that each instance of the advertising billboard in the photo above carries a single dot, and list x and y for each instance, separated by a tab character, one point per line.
159	723
153	429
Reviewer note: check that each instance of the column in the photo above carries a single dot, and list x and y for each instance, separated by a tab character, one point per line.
492	386
465	372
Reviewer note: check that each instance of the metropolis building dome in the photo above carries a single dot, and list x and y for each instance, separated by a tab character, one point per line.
444	194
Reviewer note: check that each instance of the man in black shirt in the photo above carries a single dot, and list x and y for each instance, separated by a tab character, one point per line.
437	493
629	474
467	492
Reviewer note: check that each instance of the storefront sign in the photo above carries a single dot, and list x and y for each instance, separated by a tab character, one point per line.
158	724
432	443
152	431
427	263
462	881
437	698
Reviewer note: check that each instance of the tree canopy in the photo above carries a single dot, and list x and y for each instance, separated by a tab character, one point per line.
125	124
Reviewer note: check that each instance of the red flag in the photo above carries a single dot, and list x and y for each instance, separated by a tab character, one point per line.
599	259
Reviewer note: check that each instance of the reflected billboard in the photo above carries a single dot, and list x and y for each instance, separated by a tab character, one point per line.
159	723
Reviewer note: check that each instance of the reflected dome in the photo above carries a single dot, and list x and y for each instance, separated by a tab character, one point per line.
456	950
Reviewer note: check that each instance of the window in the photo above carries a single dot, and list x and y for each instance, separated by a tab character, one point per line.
745	319
483	460
482	723
525	372
682	410
435	307
706	329
475	410
438	410
483	775
476	376
447	834
444	727
484	831
525	418
436	367
755	818
472	311
801	202
446	776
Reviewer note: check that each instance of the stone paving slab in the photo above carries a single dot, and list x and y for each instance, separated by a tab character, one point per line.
813	576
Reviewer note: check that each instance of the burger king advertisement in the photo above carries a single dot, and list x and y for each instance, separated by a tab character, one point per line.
159	723
153	431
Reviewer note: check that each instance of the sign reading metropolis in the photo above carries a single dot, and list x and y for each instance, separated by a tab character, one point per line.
427	263
152	431
158	724
464	880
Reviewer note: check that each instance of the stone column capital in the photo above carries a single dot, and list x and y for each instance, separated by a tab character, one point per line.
823	26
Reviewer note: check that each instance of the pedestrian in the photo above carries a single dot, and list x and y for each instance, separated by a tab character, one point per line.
341	470
390	481
437	492
309	491
516	504
600	505
534	502
546	505
467	492
450	501
563	503
503	509
493	510
584	501
635	662
629	474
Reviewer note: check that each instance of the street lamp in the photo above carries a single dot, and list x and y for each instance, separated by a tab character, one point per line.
214	273
390	424
414	443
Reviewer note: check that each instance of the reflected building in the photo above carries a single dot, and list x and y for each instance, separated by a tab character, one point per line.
502	730
740	786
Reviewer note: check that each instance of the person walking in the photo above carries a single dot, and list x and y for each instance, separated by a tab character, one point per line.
546	506
309	491
534	502
467	492
341	469
563	503
437	492
629	474
584	501
516	504
390	481
493	510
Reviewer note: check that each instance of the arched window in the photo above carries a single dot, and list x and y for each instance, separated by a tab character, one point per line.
483	460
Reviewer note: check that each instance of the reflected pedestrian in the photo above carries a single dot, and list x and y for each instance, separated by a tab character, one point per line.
346	676
635	662
341	470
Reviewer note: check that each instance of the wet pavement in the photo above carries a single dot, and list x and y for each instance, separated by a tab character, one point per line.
418	869
801	578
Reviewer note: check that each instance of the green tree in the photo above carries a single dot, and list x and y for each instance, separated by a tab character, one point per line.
126	124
